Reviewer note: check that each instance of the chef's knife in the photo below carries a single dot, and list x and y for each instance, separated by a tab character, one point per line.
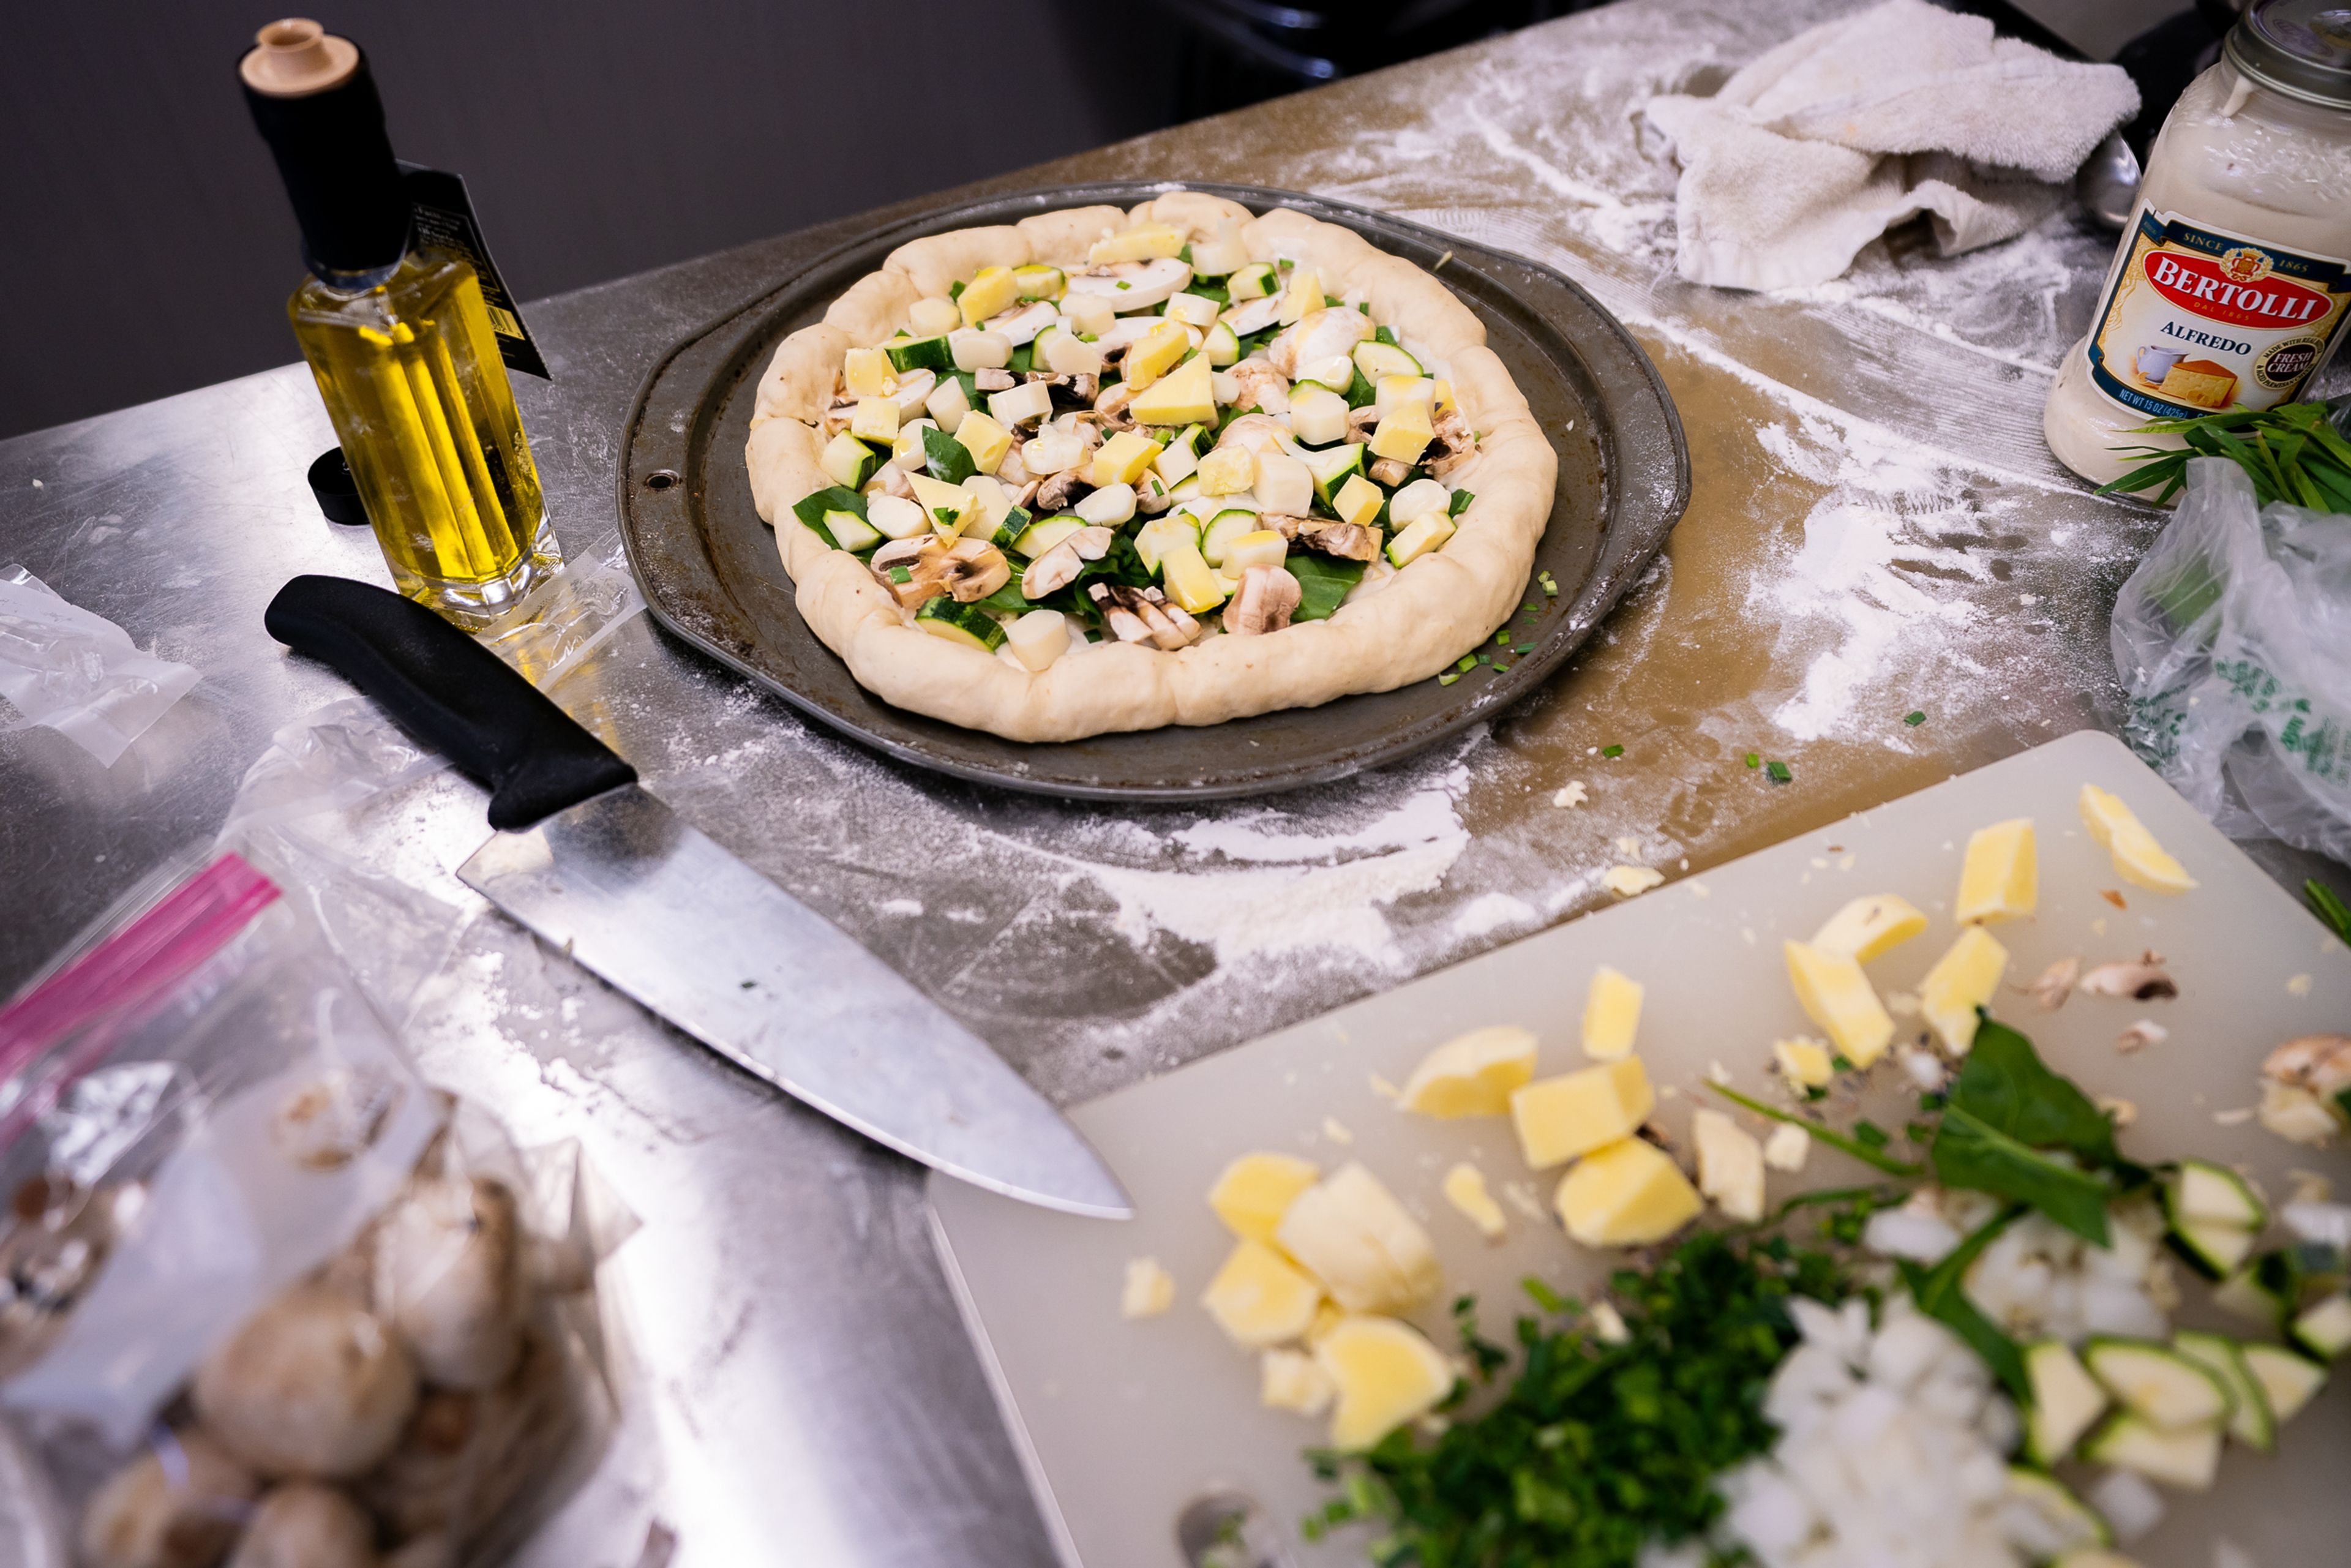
603	872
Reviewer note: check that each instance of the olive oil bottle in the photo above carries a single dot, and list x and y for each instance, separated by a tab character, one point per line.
400	342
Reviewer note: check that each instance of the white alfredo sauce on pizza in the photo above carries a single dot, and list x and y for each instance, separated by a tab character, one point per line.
2233	284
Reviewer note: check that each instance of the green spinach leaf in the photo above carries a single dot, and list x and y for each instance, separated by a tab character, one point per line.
1941	1292
949	460
1322	583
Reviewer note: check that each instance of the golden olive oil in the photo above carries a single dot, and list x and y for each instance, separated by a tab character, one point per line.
421	402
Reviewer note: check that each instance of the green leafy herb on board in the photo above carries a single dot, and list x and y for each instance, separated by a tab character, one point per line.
1597	1449
1939	1293
1780	771
2014	1129
2292	452
1875	1157
1914	718
2328	907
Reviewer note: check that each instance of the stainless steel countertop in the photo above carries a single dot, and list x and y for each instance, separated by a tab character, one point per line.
797	1387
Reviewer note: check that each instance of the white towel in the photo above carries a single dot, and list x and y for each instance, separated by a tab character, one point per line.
1823	143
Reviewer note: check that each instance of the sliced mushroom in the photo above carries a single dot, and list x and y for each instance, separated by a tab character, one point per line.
1455	444
1110	407
1262	388
1390	471
992	380
2141	1035
448	1279
1081	389
908	555
2318	1062
1348	542
891	480
1143	614
975	569
1129	330
914	390
1255	432
178	1505
2055	984
1024	321
306	1526
1317	336
1253	315
1361	419
1056	492
1011	472
311	1386
2146	980
1059	567
1133	285
1265	602
837	417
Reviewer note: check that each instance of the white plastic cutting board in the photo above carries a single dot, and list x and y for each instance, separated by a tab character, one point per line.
1120	1424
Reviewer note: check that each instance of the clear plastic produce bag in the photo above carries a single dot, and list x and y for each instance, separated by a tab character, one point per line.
77	672
2233	642
267	1298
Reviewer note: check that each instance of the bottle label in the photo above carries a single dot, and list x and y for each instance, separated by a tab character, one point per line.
2201	321
440	215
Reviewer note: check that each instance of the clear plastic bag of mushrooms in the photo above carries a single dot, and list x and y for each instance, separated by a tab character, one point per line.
266	1299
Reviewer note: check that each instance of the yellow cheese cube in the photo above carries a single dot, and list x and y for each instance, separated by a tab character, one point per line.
1256	1190
866	372
1870	925
1837	995
1403	433
2137	857
1560	1118
986	440
1304	295
1150	356
1358	501
1121	459
1227	471
1386	1373
992	291
1444	398
1294	1380
1260	1298
960	506
1393	392
1729	1165
1472	1074
1627	1193
1349	1231
2000	877
1189	579
1464	1189
1963	979
1612	1012
1148	242
1803	1062
875	419
1149	1290
1182	397
1261	547
1429	531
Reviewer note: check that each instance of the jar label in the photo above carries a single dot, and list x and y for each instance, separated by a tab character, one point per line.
2202	321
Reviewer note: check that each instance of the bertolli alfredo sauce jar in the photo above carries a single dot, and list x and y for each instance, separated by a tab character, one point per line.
2233	281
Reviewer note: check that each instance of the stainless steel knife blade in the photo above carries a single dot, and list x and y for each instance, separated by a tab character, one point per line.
626	888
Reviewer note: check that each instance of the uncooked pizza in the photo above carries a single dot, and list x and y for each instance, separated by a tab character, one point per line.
1109	470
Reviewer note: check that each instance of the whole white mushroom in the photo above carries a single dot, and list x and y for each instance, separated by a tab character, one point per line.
450	1281
178	1505
311	1386
303	1525
467	1456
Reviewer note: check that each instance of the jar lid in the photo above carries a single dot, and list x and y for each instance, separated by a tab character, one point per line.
2301	48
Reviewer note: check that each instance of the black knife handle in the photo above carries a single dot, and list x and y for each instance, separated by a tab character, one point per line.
451	692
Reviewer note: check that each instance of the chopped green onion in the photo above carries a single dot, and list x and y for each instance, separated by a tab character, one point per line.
1780	771
1914	718
1468	663
1447	678
1754	760
1543	1295
1611	752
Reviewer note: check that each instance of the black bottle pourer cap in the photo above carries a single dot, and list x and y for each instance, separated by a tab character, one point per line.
315	103
338	491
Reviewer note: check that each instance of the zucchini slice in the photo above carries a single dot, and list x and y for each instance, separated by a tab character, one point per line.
2158	1384
1222	530
1332	467
920	354
2065	1401
1042	537
964	624
1251	282
1377	360
2185	1458
2201	1190
2324	1330
2249	1421
2287	1381
2071	1523
851	532
2212	1248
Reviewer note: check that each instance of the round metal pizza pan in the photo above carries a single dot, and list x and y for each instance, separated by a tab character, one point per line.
711	574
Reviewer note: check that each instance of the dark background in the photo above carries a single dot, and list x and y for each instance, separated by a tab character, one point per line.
149	249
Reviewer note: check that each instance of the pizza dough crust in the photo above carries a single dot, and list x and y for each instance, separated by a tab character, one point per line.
1407	629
